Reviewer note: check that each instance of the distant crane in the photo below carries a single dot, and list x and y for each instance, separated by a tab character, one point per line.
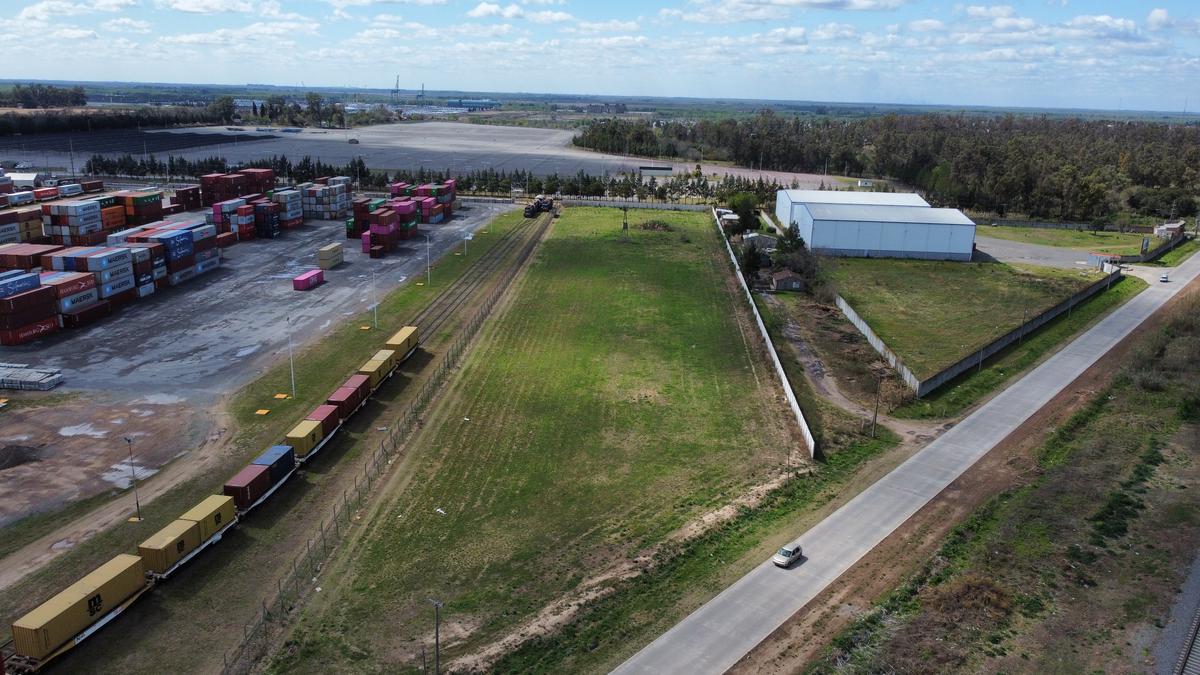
396	91
421	96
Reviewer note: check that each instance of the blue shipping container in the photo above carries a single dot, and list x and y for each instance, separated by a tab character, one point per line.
279	459
19	283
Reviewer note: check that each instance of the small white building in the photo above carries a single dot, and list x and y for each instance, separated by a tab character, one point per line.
881	231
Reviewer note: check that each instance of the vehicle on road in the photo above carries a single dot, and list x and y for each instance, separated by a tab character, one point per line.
353	141
1164	278
787	555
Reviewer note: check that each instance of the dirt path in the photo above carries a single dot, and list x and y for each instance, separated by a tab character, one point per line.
1009	464
214	425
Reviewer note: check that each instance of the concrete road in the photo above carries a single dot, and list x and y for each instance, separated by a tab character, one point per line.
1032	254
718	634
206	337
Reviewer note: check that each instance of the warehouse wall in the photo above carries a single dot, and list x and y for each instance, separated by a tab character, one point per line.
893	240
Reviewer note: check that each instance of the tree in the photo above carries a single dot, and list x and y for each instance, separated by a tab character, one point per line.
223	108
313	99
745	205
751	261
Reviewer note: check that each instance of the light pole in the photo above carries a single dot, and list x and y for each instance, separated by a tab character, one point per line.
133	481
291	360
428	268
437	627
374	299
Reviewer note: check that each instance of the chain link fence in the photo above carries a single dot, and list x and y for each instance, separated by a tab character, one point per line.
302	575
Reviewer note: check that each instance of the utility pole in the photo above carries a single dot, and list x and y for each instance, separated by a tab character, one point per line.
374	299
878	395
437	627
428	267
133	482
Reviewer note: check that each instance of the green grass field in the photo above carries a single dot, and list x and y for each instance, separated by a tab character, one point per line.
1117	243
614	401
933	313
1177	255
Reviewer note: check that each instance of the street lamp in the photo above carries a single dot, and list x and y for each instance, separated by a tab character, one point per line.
428	268
374	299
291	360
437	626
133	481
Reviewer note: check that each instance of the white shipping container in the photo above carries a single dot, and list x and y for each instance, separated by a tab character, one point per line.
79	300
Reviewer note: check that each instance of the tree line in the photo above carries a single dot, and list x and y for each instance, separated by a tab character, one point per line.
1054	168
42	96
687	185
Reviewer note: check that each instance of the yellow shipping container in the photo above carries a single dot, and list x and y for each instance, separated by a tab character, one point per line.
167	546
330	251
404	341
375	370
304	437
328	263
388	356
40	632
212	514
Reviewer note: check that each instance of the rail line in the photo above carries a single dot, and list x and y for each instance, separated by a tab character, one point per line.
437	312
1189	658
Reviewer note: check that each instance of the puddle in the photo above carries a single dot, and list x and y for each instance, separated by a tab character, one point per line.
119	475
85	429
62	545
247	351
160	399
16	439
141	413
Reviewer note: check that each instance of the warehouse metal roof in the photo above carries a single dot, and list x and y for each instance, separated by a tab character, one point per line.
873	213
848	197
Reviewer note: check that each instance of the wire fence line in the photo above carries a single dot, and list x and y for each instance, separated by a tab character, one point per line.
302	576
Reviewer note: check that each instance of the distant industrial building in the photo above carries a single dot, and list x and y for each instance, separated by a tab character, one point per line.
876	225
474	103
649	172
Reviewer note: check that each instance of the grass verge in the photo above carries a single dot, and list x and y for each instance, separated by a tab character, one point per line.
1070	571
933	313
1177	255
969	388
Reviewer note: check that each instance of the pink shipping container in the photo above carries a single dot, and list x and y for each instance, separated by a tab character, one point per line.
248	485
366	242
359	383
309	280
328	416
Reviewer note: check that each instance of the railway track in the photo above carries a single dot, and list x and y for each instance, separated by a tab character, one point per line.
1189	657
477	273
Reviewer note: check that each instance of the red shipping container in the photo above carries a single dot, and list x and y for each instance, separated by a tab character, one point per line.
226	239
78	318
20	336
328	416
248	485
68	283
38	297
26	317
346	399
361	384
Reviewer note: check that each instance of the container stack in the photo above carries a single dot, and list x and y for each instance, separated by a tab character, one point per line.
291	209
70	190
223	213
400	190
45	194
448	198
112	267
356	224
409	217
28	310
209	189
112	214
431	210
384	230
329	256
326	202
267	223
74	223
141	206
243	222
188	198
260	180
10	230
21	198
78	299
24	257
6	183
92	185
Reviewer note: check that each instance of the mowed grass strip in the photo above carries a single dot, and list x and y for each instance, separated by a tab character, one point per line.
1116	243
933	313
611	403
221	589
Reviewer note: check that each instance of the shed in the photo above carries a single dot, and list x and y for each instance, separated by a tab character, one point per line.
787	202
27	181
787	280
885	231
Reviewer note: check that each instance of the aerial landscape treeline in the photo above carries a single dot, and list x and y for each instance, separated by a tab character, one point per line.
1060	168
479	180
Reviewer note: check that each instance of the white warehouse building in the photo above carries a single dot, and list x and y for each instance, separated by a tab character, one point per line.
876	225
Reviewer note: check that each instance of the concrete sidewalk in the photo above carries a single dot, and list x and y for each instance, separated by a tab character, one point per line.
718	634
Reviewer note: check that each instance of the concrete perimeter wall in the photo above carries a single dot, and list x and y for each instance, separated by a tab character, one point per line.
621	203
762	329
1154	253
976	359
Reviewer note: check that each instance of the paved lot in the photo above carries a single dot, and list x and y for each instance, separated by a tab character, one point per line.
458	147
719	633
217	332
1032	254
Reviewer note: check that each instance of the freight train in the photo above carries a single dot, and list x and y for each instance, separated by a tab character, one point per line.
541	204
67	619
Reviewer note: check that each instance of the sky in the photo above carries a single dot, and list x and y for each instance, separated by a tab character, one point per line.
1036	53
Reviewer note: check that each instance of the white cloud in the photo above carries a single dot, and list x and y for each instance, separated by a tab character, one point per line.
74	34
925	25
207	6
990	12
128	25
548	16
488	9
1158	19
610	26
50	9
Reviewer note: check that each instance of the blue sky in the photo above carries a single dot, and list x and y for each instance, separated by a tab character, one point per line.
1056	53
